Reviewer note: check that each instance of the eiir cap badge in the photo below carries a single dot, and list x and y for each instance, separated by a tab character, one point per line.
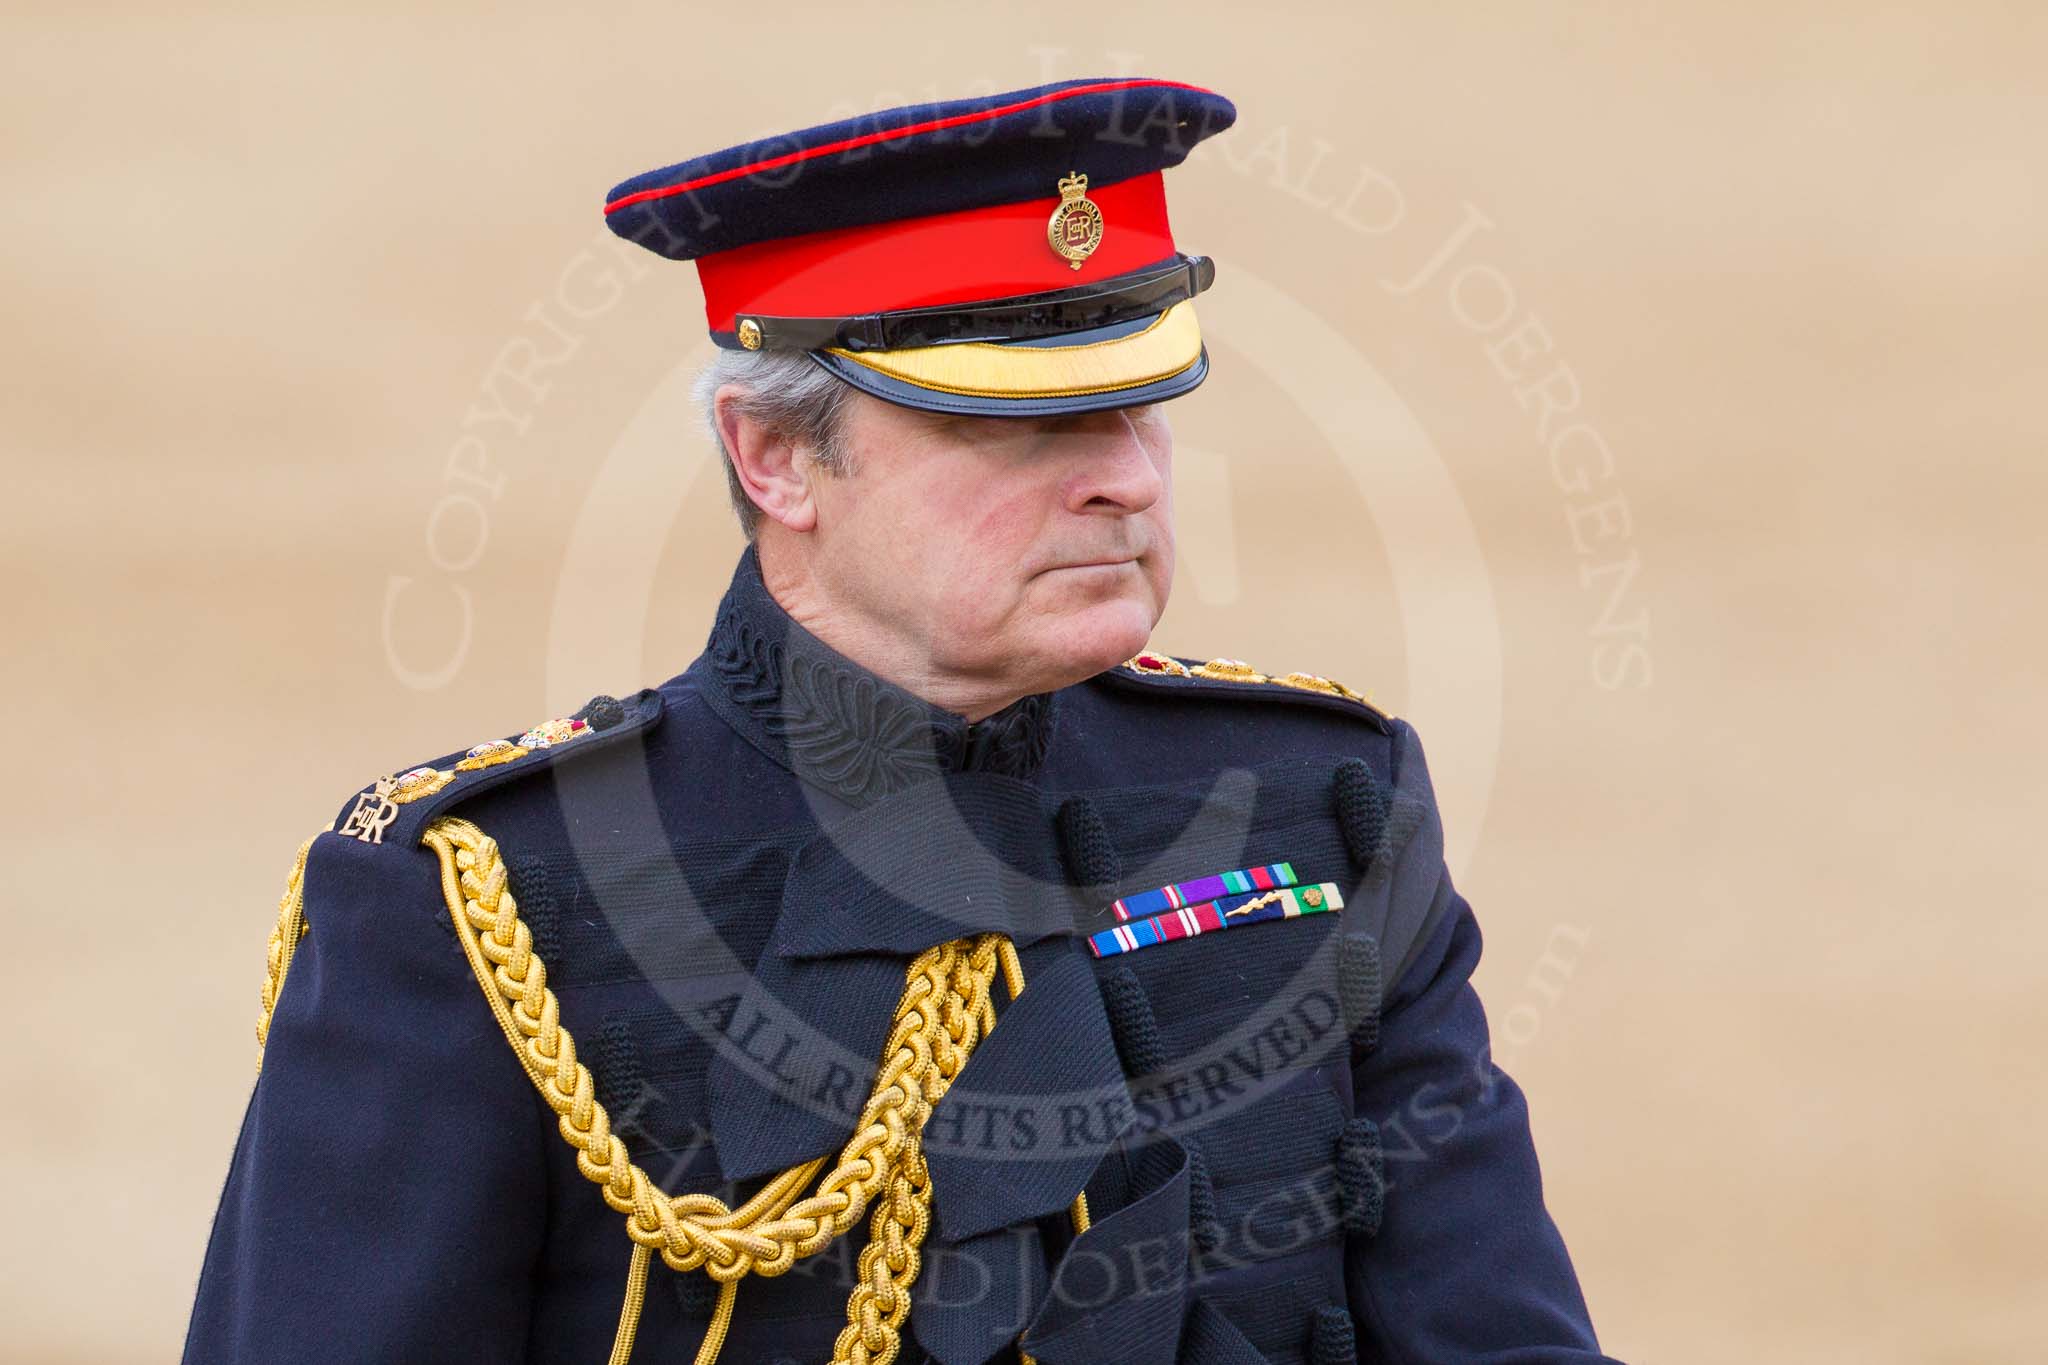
1075	228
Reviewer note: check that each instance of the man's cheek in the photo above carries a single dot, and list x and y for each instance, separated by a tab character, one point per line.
1160	558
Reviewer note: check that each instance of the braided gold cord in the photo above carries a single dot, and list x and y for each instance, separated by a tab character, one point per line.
284	942
945	1010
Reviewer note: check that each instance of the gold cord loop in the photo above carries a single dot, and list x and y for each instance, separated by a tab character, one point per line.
284	942
944	1012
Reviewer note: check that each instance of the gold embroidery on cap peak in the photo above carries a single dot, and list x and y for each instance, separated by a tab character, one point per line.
1165	347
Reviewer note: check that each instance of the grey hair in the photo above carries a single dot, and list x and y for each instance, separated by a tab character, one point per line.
787	392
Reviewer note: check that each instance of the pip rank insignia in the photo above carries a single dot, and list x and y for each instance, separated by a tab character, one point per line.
1075	228
1228	912
1237	670
1182	894
412	785
549	733
490	754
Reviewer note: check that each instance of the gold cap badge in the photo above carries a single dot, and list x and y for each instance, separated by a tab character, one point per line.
1075	228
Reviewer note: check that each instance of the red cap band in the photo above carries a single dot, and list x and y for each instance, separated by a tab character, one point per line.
966	256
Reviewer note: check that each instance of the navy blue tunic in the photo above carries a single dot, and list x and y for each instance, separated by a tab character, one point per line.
1293	1142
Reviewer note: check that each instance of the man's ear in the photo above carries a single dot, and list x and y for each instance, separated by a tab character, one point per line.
766	461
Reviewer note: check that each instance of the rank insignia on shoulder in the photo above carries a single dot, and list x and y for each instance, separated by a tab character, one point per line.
490	754
549	733
1153	664
1228	912
389	803
418	782
376	808
374	811
546	735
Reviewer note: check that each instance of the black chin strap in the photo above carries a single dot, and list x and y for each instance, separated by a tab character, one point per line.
1057	312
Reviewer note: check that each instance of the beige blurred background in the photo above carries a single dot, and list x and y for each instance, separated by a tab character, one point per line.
314	336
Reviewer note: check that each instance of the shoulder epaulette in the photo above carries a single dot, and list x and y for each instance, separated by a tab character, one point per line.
396	809
1236	678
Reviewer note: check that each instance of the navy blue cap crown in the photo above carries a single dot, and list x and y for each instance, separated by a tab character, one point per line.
915	160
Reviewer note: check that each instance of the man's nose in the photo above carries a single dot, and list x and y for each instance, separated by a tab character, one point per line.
1119	473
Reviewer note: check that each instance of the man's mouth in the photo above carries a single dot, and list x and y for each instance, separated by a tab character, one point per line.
1099	563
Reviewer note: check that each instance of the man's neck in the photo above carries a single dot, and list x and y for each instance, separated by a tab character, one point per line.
888	654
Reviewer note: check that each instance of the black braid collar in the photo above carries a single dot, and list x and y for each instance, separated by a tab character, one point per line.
837	725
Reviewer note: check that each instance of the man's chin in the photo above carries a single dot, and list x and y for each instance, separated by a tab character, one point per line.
1101	635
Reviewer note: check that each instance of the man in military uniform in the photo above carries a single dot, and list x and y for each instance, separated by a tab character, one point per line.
930	972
